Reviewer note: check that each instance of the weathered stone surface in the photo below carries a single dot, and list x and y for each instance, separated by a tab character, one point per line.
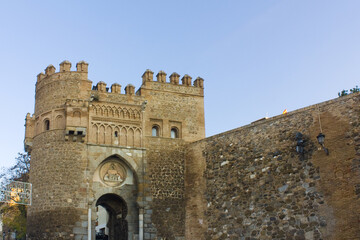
93	147
254	185
89	145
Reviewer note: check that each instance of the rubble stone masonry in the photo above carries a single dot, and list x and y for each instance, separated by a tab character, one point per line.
250	183
143	156
95	146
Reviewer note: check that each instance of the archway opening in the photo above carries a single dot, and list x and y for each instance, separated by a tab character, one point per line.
116	212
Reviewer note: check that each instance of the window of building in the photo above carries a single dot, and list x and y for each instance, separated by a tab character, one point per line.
116	134
155	131
174	133
47	124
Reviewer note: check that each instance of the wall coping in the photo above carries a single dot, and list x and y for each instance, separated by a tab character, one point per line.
277	117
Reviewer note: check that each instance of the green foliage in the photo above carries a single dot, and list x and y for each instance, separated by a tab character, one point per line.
343	93
346	92
355	89
14	218
14	215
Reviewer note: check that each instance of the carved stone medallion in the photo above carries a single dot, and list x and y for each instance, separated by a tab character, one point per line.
112	173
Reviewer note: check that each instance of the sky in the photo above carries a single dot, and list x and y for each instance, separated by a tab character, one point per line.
257	57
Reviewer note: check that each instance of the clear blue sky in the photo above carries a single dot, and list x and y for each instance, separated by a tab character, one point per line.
257	57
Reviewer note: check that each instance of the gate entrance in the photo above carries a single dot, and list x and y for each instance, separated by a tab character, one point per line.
116	209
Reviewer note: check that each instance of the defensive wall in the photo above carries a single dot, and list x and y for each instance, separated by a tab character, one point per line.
143	156
95	146
251	183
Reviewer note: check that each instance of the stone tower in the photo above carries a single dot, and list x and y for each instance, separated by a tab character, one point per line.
96	146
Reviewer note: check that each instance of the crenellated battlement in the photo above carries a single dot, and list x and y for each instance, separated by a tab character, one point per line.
115	88
49	70
161	76
148	76
174	78
143	156
94	140
148	82
65	67
54	87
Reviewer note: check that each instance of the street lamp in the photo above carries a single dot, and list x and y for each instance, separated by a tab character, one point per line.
299	143
321	140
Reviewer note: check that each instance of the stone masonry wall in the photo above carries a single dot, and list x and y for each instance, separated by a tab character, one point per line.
168	106
53	91
250	183
195	186
75	127
174	106
165	175
58	199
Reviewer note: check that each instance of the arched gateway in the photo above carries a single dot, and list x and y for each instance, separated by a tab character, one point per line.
115	189
92	146
116	208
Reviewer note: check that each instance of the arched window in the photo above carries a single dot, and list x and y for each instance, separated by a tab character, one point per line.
155	131
59	122
116	134
174	133
46	125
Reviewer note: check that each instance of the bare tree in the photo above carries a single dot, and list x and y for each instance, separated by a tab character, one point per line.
19	171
